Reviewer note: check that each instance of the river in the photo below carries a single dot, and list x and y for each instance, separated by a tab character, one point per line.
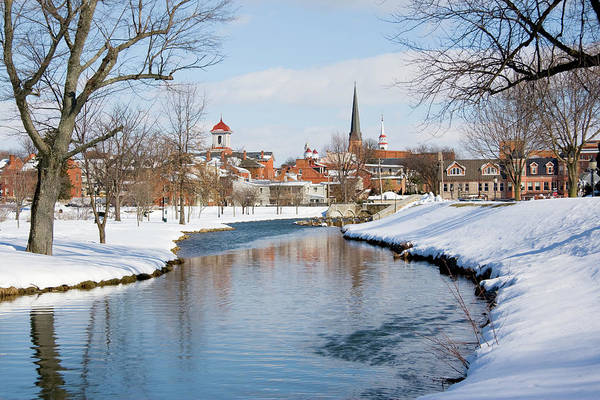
270	310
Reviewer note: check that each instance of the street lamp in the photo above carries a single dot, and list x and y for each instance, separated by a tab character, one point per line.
592	165
495	187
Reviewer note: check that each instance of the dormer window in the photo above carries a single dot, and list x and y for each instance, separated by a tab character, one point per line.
489	169
550	168
455	170
533	168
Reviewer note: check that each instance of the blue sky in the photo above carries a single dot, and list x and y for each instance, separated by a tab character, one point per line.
289	72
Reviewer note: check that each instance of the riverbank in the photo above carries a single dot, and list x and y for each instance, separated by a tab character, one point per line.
131	252
543	258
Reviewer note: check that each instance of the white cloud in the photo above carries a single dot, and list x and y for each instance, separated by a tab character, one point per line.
323	86
279	109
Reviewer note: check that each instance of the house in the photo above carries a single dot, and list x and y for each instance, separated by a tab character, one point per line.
387	174
472	179
14	171
543	177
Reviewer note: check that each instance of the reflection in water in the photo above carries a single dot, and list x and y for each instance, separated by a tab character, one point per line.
300	316
49	380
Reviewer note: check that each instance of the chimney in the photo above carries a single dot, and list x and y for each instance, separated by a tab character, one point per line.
208	155
11	159
244	155
262	155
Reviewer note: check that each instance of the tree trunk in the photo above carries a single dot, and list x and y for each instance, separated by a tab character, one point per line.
572	177
17	214
102	230
181	208
118	207
41	232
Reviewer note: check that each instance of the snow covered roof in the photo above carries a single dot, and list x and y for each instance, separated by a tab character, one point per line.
3	162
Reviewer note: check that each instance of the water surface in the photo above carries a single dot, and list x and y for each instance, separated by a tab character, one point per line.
274	311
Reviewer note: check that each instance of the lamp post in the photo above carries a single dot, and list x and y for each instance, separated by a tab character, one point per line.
495	187
592	165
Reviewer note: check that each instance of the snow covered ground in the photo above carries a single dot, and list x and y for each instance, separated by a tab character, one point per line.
129	249
545	261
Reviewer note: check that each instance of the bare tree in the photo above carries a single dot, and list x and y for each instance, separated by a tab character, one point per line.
483	47
424	167
223	192
348	165
23	188
507	130
184	109
58	57
129	149
570	107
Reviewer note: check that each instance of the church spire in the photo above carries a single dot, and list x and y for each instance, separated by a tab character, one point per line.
355	134
383	144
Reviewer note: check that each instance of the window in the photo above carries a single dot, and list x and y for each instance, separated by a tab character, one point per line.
219	139
260	189
466	187
480	187
546	186
315	189
510	186
529	185
455	171
486	187
300	171
550	169
537	186
533	168
460	187
490	171
452	187
502	186
445	187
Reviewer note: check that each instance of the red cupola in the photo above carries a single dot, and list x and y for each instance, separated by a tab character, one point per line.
220	127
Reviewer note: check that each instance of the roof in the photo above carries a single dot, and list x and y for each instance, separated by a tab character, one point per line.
221	127
541	166
249	163
355	133
472	171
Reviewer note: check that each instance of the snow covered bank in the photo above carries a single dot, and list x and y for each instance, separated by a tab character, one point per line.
545	261
130	250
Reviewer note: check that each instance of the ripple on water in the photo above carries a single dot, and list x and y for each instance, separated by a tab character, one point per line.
273	311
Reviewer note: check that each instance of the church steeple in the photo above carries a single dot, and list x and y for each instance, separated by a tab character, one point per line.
355	134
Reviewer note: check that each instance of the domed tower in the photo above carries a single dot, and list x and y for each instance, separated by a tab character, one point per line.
307	152
221	136
383	144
